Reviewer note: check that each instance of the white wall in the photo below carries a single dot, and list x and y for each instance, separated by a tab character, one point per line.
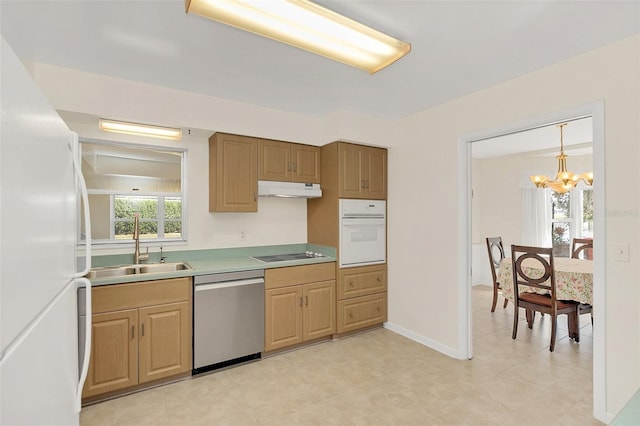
423	204
423	275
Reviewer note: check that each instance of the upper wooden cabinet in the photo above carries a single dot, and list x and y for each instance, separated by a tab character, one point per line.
233	178
362	172
288	162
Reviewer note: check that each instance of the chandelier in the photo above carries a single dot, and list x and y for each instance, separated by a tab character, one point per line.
565	180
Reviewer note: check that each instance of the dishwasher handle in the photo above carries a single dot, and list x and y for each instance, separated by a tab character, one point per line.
225	284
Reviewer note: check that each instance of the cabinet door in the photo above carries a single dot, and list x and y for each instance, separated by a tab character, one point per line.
306	163
376	174
351	171
233	173
165	341
274	160
319	311
114	352
283	317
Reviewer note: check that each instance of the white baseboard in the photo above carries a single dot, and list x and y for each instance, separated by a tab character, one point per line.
430	343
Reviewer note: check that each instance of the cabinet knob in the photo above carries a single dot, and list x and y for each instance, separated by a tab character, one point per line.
379	279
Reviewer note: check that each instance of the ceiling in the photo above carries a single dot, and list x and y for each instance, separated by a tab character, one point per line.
458	47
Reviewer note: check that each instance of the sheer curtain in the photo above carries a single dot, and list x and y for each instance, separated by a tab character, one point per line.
536	217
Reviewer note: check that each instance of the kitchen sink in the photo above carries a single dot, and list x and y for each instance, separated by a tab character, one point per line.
163	267
123	270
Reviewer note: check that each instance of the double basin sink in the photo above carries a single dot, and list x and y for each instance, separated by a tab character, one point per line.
123	270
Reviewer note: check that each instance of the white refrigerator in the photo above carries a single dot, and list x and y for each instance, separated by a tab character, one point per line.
40	381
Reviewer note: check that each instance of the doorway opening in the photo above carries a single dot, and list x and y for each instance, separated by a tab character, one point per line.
465	148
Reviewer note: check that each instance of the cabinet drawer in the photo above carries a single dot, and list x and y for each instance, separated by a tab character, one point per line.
354	282
361	312
296	275
133	295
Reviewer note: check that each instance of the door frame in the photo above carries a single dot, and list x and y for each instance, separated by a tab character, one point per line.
465	342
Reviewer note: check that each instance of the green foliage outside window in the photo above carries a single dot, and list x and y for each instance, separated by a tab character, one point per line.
125	208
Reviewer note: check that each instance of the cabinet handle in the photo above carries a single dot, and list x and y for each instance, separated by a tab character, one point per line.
379	310
367	184
351	283
301	302
289	166
133	332
295	166
255	196
350	315
379	279
306	300
142	329
362	184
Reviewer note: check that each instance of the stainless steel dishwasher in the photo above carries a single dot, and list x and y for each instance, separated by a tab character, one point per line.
228	319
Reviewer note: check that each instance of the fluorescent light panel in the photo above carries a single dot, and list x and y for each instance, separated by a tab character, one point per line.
139	129
308	26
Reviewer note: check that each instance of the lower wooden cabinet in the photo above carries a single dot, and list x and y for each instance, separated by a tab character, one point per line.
299	304
361	312
141	332
362	297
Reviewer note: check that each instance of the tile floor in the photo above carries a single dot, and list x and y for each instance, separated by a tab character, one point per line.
381	378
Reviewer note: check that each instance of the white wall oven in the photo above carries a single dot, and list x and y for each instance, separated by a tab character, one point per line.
363	232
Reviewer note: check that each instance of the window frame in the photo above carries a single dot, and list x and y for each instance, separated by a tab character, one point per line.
161	196
574	223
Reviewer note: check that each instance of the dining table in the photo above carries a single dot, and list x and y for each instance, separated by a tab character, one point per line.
574	278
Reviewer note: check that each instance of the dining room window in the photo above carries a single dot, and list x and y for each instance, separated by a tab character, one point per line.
571	217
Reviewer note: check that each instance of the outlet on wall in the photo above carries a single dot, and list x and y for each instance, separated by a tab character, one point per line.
243	235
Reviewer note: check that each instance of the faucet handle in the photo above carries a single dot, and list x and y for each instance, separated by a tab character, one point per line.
162	256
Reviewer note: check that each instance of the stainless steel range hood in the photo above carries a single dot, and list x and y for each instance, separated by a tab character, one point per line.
267	188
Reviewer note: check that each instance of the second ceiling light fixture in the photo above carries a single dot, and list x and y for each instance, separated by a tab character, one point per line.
308	26
565	180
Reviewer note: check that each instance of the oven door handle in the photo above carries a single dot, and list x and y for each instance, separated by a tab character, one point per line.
363	221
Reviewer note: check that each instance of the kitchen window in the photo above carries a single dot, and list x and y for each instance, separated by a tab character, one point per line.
124	180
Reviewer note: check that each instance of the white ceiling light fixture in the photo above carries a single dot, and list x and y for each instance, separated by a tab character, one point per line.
565	180
139	129
306	25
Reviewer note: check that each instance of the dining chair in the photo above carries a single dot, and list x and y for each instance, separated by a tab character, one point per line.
534	302
578	247
496	255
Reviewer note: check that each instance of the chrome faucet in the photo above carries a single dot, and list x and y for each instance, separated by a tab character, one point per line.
137	257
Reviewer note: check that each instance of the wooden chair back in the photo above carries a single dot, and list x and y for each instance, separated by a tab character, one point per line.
579	246
496	255
544	256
